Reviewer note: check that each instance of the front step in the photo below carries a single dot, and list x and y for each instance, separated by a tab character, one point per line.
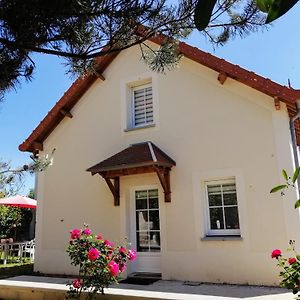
142	278
145	275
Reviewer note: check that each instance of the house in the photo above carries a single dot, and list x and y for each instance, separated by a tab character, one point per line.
183	164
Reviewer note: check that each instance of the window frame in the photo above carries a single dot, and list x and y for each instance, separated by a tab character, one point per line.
131	108
221	232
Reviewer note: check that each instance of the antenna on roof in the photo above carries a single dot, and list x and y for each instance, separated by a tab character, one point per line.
289	84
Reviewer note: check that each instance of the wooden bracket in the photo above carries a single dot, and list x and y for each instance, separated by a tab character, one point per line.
66	113
37	146
277	103
99	75
114	188
222	77
164	178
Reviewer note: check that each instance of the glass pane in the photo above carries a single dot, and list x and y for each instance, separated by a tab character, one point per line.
142	239
232	218
229	194
153	193
141	203
215	200
141	220
229	199
153	203
216	218
214	195
155	241
230	187
140	194
212	189
154	219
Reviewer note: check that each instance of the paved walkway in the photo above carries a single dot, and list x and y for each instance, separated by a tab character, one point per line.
161	289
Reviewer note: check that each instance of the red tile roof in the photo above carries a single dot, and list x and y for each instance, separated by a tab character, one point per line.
137	155
81	85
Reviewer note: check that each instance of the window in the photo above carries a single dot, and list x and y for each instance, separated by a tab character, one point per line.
141	106
147	220
223	217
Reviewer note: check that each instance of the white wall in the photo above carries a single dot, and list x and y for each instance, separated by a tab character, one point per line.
210	130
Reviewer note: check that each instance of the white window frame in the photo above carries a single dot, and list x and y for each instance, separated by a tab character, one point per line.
131	111
221	232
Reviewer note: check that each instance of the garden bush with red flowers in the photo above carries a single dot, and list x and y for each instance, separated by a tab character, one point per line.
290	269
100	263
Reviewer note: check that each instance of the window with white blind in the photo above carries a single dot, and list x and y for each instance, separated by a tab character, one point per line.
223	216
142	106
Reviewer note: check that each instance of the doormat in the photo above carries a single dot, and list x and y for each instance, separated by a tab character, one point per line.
139	280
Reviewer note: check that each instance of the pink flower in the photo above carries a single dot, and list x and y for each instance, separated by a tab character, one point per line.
99	237
77	283
123	251
276	253
113	268
75	233
87	231
122	267
93	254
131	255
108	243
292	260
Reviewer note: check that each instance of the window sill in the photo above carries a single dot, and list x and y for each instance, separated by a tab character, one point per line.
140	127
222	238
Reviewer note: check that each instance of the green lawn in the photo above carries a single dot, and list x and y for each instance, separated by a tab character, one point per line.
16	269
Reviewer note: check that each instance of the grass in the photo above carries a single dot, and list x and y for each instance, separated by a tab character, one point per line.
16	269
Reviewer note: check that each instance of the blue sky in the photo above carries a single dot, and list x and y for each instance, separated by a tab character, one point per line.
273	53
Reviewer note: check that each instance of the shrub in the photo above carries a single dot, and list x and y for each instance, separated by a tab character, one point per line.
290	269
100	262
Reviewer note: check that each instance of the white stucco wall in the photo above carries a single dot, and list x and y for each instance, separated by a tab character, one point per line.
212	131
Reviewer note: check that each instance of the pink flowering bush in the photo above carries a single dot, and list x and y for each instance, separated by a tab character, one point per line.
290	269
100	262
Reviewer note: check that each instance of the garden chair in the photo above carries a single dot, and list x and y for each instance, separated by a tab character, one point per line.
29	248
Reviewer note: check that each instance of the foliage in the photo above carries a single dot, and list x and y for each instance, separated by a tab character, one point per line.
82	30
10	220
207	10
99	262
290	269
31	194
290	182
11	179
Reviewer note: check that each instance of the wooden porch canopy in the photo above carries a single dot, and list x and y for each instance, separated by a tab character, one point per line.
136	159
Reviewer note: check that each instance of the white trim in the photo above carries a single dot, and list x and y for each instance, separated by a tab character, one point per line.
152	152
126	102
153	257
213	232
131	106
199	196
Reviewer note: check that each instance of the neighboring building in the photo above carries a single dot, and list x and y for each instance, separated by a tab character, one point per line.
186	162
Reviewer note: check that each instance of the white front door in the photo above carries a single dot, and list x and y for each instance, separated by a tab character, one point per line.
147	230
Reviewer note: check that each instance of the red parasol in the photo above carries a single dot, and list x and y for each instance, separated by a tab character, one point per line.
19	201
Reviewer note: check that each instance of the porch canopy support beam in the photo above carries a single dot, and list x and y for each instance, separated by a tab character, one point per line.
139	158
114	186
164	178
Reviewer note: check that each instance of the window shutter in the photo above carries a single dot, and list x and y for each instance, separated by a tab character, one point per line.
143	106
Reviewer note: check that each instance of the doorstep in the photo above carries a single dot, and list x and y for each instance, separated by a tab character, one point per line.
50	288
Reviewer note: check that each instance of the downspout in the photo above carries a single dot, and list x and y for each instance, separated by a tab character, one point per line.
294	139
